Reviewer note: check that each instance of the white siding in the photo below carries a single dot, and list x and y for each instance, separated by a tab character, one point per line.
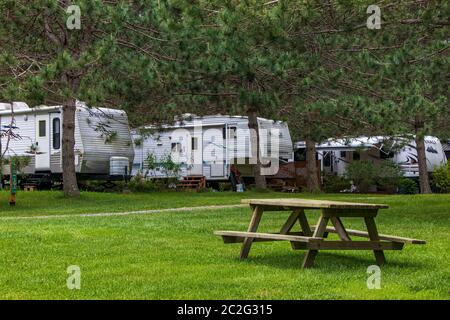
159	143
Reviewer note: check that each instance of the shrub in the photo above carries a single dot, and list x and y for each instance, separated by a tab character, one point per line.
20	162
333	184
441	178
407	186
363	174
140	184
389	176
150	163
169	167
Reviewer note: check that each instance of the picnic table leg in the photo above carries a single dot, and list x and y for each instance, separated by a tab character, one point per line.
373	236
256	218
321	227
304	223
290	222
297	214
340	229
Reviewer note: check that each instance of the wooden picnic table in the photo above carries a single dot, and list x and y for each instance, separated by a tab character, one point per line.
313	238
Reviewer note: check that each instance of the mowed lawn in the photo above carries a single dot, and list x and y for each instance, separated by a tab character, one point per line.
174	255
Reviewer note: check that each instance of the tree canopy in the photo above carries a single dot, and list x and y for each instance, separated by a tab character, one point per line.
319	65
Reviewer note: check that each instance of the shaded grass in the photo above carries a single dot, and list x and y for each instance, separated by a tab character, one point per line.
176	256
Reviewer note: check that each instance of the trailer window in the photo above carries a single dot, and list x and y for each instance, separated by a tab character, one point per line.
327	160
232	133
56	133
300	154
42	130
176	147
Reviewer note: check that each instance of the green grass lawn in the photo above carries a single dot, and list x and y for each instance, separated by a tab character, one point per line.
176	256
53	203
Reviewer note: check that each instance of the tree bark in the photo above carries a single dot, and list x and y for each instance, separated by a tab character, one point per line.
424	180
260	180
312	179
70	185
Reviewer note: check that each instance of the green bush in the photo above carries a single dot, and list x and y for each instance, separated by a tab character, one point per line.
363	174
386	175
334	184
441	178
140	184
169	167
389	176
408	186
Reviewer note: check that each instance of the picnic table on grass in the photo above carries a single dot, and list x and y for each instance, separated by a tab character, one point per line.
313	238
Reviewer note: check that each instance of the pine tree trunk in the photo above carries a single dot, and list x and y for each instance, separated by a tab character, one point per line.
70	185
424	181
312	179
260	180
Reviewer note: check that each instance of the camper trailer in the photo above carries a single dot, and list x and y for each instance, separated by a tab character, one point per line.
336	154
102	137
209	146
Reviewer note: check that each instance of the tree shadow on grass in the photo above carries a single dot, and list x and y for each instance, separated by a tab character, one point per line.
330	261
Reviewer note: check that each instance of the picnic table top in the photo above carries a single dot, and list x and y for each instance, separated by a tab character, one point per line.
313	204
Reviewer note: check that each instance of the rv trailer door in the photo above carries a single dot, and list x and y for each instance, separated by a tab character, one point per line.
42	142
196	155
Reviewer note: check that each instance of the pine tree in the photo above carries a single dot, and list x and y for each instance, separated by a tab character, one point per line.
58	53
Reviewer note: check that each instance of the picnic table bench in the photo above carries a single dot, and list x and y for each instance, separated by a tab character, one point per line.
313	238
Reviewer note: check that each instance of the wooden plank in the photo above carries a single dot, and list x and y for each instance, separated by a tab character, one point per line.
304	223
355	245
292	219
350	213
313	204
256	218
297	214
308	261
270	236
275	208
340	229
365	234
236	239
373	235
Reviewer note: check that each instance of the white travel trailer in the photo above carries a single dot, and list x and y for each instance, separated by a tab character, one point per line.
101	136
336	154
208	146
